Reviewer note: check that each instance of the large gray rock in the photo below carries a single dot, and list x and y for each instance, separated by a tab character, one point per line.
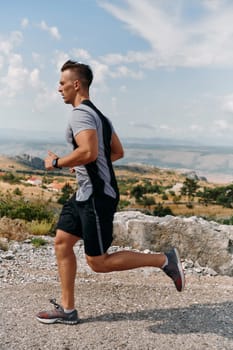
208	243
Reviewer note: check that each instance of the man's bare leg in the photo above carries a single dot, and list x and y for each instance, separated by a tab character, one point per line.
125	260
67	266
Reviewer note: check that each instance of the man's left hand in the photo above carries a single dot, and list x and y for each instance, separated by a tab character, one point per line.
49	160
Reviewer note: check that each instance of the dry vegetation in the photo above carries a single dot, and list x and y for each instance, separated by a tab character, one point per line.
11	164
169	178
129	176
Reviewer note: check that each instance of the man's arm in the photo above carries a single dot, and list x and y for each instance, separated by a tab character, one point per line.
86	152
117	151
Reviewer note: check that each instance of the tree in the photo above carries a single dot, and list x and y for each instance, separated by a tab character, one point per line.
190	187
137	192
66	192
147	201
219	195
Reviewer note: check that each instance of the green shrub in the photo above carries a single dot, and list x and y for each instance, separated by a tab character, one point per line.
164	197
17	192
137	192
123	204
38	242
219	195
11	178
25	210
226	221
123	187
160	210
147	201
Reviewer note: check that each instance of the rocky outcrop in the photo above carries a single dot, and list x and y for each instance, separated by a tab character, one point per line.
207	243
202	244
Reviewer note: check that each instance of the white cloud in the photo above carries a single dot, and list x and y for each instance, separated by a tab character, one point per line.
164	127
53	31
219	128
35	56
100	70
227	105
115	58
24	22
81	54
147	20
123	71
44	99
18	79
7	45
149	59
15	78
196	128
1	62
59	59
123	88
141	125
221	124
203	41
114	103
213	5
34	78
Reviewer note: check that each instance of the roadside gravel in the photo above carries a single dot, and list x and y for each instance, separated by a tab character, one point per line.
138	309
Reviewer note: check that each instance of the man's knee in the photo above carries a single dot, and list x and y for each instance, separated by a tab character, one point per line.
64	242
98	263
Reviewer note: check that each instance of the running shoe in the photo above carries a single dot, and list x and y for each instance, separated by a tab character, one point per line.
58	315
174	269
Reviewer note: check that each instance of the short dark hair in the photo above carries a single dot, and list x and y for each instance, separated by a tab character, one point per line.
83	71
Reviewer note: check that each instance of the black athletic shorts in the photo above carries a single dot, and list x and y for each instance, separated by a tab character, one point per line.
91	220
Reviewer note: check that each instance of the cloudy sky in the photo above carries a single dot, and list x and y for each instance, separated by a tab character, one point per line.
162	68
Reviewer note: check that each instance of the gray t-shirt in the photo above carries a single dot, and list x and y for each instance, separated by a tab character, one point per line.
97	176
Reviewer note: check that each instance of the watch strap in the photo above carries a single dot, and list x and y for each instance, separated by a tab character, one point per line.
55	161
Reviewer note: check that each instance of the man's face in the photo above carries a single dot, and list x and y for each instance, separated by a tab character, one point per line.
67	87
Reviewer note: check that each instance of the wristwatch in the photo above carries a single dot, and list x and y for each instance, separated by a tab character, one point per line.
54	163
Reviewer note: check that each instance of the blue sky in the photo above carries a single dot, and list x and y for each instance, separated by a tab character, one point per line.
163	69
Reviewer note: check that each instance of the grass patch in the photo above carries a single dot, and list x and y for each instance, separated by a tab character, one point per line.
38	242
39	228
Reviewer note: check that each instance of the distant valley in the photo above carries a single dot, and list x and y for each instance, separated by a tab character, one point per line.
214	162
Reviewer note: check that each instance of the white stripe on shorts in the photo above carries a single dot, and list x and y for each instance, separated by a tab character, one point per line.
98	228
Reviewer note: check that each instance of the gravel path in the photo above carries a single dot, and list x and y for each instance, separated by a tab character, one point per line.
136	310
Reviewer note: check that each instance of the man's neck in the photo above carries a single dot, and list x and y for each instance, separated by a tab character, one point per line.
79	100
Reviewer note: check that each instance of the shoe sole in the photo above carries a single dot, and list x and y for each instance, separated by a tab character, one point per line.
56	320
180	268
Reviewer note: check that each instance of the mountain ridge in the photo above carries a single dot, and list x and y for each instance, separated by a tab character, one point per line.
208	161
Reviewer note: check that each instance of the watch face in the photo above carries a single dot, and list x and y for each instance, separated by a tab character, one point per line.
54	163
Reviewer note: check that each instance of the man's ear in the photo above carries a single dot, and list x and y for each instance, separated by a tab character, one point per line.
76	84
